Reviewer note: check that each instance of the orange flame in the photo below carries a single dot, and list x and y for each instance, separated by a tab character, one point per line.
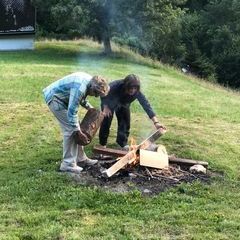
133	147
132	144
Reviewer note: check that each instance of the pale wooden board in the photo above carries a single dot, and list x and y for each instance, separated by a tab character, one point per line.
154	159
120	163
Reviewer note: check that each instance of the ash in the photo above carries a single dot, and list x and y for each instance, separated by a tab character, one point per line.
149	181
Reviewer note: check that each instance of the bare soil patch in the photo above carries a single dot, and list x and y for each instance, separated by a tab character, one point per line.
148	181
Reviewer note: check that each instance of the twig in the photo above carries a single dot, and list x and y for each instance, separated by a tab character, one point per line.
167	178
140	175
186	172
149	173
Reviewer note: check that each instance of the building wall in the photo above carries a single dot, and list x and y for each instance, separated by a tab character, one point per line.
16	42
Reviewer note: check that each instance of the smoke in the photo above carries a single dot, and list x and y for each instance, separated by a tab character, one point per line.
129	29
129	24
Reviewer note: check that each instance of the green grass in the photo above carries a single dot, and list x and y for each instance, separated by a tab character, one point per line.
37	202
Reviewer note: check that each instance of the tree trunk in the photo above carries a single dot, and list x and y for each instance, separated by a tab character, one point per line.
107	45
106	37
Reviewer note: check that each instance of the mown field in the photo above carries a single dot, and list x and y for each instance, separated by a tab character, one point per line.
38	202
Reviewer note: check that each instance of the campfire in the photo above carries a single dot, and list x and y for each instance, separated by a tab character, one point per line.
146	167
146	154
133	155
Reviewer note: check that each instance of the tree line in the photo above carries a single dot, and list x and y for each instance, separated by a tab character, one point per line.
203	36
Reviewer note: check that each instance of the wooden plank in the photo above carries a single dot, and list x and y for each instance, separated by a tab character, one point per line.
153	159
130	155
109	151
187	162
120	164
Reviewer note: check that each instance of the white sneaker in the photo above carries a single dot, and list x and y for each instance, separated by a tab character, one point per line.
70	168
88	162
126	148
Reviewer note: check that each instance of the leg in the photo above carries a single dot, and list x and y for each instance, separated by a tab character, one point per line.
123	118
83	160
70	147
81	154
104	129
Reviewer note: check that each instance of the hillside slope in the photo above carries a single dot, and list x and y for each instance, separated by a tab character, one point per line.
37	202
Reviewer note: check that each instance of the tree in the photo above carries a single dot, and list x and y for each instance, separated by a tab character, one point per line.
196	5
211	37
153	27
221	23
76	18
100	25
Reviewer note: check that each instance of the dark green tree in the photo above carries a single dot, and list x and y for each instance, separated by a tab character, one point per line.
100	24
153	27
76	18
211	36
220	20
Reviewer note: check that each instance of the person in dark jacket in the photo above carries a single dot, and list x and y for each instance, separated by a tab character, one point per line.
122	93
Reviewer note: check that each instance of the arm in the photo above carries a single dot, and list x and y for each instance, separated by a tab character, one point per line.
148	109
84	103
157	124
73	106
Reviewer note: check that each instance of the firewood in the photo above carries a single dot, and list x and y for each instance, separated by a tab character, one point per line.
172	159
109	151
149	173
154	159
167	178
128	157
187	162
91	122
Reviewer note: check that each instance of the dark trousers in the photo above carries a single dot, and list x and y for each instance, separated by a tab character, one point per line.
123	120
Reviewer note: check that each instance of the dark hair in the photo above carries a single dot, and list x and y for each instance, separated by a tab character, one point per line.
130	81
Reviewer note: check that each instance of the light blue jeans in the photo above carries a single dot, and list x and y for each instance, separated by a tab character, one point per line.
72	152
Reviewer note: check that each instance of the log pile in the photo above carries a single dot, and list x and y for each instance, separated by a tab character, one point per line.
131	156
157	159
111	153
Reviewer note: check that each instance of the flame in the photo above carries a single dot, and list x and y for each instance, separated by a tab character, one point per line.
133	144
133	147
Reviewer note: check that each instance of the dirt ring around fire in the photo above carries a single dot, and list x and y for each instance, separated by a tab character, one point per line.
148	181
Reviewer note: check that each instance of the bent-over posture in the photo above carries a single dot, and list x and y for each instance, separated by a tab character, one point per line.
63	98
122	93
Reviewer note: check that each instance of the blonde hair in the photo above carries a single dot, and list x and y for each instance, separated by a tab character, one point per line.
100	85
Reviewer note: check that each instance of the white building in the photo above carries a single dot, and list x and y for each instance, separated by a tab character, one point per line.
17	25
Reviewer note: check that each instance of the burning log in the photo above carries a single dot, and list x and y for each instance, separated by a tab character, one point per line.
131	156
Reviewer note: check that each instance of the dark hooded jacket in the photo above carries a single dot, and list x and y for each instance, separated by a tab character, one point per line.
117	98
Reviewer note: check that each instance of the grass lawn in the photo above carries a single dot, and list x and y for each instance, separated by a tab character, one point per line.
37	202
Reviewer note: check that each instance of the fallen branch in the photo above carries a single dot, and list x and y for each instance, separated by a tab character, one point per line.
188	162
